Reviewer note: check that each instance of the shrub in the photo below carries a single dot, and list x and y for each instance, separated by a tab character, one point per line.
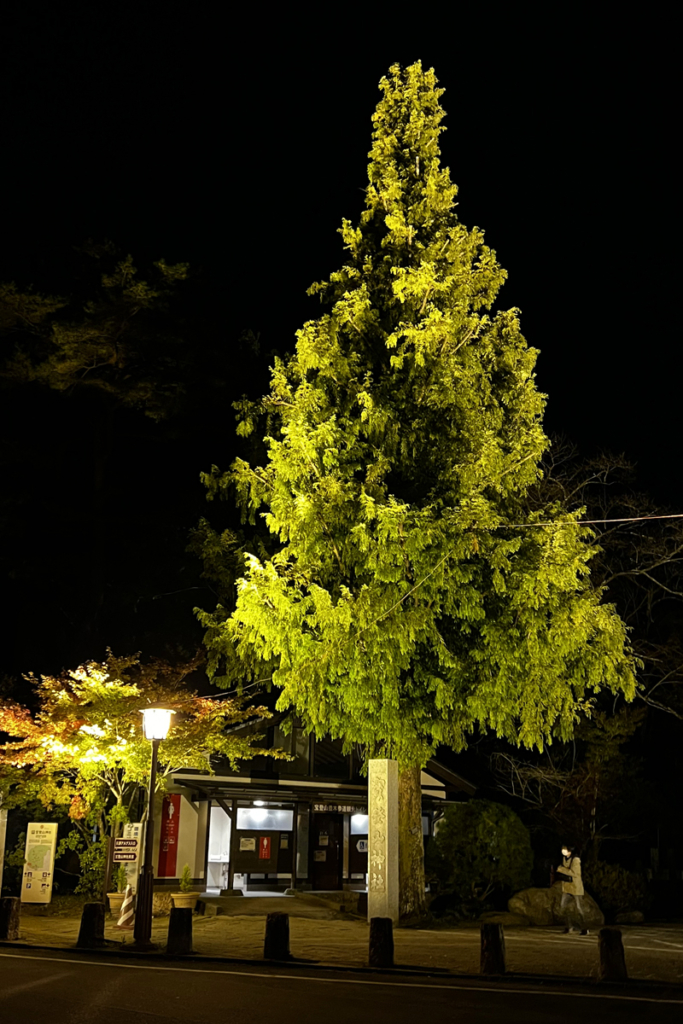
120	878
480	848
14	867
186	880
92	858
616	889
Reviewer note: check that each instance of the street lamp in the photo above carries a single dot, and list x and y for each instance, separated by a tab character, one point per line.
155	724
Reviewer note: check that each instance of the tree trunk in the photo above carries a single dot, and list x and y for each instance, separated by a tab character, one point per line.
411	871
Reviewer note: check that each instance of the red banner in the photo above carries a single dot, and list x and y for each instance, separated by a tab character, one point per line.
168	839
264	847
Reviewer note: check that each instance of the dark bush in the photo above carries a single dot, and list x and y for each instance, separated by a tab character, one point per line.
481	850
616	889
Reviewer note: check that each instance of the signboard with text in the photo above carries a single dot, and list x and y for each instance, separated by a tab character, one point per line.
340	808
168	838
39	862
128	851
256	852
3	836
125	850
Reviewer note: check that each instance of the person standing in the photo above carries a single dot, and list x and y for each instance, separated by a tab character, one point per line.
569	873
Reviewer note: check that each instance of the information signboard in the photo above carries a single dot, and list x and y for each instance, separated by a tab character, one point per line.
128	851
39	862
125	850
3	836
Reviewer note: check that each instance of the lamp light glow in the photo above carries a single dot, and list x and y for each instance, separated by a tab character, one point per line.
156	722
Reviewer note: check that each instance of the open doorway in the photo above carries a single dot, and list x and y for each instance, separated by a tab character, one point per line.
219	850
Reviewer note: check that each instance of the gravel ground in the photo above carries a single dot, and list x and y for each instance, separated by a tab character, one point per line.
320	931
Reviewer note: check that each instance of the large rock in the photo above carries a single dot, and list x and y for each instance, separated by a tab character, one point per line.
542	907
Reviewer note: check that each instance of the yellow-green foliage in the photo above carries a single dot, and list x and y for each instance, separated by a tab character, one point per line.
404	607
85	748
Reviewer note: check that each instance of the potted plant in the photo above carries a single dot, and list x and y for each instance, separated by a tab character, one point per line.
120	880
186	898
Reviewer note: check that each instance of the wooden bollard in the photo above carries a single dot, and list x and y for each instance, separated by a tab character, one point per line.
492	949
179	941
381	942
612	960
276	945
91	933
10	914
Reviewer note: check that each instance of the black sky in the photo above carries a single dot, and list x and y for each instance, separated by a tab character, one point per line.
241	150
238	143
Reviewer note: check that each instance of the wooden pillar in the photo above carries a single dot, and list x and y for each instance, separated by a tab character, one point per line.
276	945
295	829
492	959
233	845
381	953
91	932
383	839
10	915
612	960
179	941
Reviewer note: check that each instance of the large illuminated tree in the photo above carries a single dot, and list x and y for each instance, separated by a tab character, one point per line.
405	606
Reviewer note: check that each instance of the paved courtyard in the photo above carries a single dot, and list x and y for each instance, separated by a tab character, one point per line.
320	932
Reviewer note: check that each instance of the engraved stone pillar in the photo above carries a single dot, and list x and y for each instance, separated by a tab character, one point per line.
383	839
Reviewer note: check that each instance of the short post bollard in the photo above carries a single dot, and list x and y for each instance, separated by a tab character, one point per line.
179	941
91	933
10	914
381	942
276	945
612	960
492	949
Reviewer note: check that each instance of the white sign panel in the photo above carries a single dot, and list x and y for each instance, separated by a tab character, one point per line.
125	850
39	862
130	851
3	836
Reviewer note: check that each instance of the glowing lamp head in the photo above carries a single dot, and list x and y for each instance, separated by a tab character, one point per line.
156	722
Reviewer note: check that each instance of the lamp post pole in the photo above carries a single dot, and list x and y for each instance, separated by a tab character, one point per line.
143	910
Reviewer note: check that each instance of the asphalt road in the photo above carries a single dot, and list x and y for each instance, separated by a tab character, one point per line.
65	989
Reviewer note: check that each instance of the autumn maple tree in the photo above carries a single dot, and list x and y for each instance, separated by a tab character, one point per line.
83	749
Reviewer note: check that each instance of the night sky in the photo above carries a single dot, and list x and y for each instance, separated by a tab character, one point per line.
240	149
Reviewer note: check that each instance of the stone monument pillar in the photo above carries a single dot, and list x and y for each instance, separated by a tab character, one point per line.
383	839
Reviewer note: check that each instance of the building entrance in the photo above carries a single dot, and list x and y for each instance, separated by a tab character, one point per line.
327	850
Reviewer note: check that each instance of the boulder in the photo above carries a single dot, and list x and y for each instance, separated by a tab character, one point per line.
541	907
